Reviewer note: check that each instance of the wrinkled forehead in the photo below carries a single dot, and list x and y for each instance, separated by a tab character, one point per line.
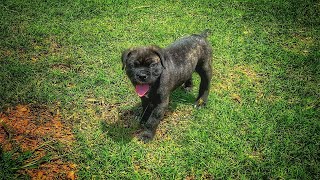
145	55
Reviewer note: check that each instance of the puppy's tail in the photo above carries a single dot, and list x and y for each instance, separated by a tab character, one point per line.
205	33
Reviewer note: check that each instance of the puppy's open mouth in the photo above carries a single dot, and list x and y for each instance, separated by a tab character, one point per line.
142	89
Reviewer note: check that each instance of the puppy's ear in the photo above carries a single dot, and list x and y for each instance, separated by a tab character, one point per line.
125	55
159	52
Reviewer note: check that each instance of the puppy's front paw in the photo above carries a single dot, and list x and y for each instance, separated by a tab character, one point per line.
146	136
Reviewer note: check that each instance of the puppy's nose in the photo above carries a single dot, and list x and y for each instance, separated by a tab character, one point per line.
142	76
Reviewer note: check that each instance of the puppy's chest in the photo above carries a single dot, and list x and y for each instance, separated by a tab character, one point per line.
153	97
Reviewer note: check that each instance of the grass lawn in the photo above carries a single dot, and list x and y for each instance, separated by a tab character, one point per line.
262	120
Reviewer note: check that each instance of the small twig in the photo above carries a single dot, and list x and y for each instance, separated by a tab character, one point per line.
140	7
36	161
27	165
43	144
58	157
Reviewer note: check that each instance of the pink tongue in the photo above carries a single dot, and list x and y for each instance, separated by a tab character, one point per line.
142	89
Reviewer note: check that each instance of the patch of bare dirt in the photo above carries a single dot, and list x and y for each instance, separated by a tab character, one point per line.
31	128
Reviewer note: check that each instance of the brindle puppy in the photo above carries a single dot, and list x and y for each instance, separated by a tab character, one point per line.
156	72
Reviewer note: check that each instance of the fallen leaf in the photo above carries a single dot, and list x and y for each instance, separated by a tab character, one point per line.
73	166
92	100
71	175
40	175
22	108
236	97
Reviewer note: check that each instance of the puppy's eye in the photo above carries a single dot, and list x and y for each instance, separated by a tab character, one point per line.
153	65
136	63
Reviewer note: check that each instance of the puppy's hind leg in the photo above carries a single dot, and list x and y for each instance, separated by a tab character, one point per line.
188	85
205	72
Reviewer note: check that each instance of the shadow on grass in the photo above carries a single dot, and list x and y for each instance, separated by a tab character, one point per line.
180	96
295	12
125	124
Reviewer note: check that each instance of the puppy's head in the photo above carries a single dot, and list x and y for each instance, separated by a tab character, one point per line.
143	66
